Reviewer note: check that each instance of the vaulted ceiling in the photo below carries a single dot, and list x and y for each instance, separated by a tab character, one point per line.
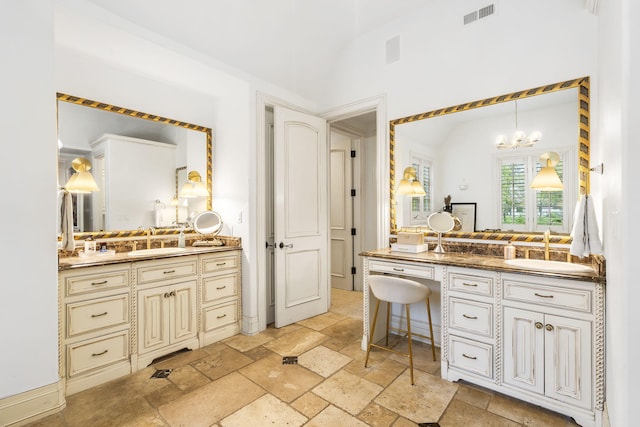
290	43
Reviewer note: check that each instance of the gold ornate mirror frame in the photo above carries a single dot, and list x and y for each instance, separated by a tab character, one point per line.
158	119
581	83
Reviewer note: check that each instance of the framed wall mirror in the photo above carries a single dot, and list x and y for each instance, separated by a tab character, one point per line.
140	161
454	153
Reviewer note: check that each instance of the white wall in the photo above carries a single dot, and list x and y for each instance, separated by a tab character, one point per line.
619	63
28	307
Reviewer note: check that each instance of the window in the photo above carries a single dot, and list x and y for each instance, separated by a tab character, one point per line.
421	207
523	208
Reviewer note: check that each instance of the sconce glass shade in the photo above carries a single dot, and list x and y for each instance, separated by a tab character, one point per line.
82	181
194	187
409	184
187	191
547	179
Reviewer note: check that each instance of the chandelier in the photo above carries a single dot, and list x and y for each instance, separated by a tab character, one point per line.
519	138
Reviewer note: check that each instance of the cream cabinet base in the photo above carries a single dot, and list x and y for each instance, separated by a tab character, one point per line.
144	360
32	405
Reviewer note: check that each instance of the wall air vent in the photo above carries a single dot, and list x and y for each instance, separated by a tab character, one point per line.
476	15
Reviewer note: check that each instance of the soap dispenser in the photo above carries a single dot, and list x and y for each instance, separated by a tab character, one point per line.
509	251
181	239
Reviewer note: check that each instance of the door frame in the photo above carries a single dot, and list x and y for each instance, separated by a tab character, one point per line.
263	100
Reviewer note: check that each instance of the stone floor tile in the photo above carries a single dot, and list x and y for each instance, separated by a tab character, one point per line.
403	422
245	343
286	382
377	416
460	413
425	401
348	391
525	413
267	410
273	332
55	420
164	395
296	342
318	323
131	411
348	329
332	416
323	361
422	355
187	378
258	353
309	404
211	403
385	372
473	396
221	361
180	359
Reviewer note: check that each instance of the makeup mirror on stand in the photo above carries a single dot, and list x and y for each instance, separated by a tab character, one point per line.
209	225
441	222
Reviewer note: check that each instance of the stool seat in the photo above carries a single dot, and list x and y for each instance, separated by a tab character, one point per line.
392	289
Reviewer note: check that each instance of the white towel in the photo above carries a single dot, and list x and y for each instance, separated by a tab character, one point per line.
67	221
586	238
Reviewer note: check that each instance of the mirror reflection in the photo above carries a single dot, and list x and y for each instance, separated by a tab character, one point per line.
140	166
468	156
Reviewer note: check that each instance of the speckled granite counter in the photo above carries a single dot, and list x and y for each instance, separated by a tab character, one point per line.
482	262
120	257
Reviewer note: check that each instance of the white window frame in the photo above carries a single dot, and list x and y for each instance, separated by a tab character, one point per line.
421	160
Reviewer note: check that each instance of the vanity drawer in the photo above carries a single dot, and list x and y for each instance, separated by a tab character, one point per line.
218	287
92	354
89	280
401	269
471	284
471	356
218	263
219	316
97	314
471	316
551	296
154	271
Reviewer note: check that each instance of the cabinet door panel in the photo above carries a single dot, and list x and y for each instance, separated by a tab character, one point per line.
153	320
524	349
183	303
568	360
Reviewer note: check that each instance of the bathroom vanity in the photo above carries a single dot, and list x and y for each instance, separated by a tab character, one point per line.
534	335
118	313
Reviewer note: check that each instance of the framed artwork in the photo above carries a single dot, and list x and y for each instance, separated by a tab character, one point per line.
466	213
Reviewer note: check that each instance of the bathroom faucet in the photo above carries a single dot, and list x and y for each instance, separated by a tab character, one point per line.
546	237
150	231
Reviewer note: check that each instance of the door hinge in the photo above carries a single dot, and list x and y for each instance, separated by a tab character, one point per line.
353	153
353	270
353	192
353	231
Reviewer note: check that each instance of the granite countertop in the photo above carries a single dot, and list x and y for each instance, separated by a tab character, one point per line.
483	262
121	257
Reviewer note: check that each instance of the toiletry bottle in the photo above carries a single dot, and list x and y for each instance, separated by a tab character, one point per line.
89	246
509	251
181	239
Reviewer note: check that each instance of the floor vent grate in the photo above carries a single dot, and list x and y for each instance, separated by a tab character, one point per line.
290	360
428	425
161	373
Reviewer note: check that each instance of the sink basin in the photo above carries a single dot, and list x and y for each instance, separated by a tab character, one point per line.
553	266
156	251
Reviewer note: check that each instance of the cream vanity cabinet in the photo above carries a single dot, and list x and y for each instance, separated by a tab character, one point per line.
166	300
95	324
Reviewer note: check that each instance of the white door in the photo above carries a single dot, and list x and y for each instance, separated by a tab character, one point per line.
341	212
301	211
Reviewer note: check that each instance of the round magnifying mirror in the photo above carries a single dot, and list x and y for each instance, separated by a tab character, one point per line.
208	223
441	222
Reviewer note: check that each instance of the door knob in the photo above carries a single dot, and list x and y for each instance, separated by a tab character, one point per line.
282	245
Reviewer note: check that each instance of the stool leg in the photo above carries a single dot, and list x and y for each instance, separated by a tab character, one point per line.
409	338
433	343
388	314
373	328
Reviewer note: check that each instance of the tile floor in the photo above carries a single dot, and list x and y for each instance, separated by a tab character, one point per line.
243	382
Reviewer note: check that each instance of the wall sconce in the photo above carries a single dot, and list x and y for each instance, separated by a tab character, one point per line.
82	181
409	184
547	179
194	187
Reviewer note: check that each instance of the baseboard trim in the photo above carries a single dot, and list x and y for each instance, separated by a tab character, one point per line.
32	405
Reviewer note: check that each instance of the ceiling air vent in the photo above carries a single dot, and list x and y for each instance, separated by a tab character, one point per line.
483	12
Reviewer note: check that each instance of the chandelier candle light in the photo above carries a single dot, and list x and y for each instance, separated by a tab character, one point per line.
519	138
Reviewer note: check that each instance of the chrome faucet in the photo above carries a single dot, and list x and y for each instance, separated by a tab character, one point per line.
546	236
150	231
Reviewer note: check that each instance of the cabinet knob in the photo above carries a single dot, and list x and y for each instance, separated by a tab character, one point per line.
166	295
549	327
538	325
172	293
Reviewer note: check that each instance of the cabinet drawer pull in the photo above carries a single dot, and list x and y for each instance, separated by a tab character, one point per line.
473	285
221	317
543	296
104	282
99	315
469	357
398	269
469	317
221	263
99	354
219	288
168	272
